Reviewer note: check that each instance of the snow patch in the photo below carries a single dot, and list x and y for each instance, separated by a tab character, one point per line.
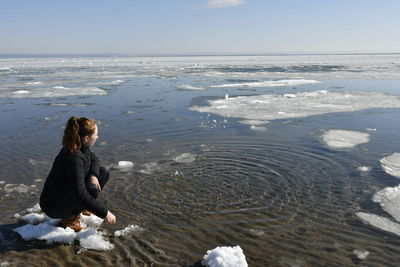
225	257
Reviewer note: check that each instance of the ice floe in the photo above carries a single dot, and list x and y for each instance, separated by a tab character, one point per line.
190	87
391	164
56	91
253	122
380	222
272	106
185	158
344	138
258	128
225	257
293	82
389	199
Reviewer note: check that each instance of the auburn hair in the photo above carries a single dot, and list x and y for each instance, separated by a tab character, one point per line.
75	130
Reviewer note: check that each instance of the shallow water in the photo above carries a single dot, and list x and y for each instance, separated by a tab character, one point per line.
281	194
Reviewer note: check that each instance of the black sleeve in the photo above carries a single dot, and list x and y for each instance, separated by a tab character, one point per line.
94	165
77	177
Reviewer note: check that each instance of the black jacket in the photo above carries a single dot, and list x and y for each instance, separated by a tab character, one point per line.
67	181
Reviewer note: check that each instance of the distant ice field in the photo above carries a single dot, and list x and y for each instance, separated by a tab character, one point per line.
272	160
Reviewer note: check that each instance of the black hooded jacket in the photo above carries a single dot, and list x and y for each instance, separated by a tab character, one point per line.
67	182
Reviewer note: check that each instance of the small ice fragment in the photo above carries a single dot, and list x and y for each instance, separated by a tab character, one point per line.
185	158
21	188
371	129
81	250
364	168
226	96
289	95
225	257
17	216
190	87
21	92
38	180
2	182
344	138
4	264
361	254
91	221
130	228
124	165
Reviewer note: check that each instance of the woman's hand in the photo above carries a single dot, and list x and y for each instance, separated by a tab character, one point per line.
93	180
110	218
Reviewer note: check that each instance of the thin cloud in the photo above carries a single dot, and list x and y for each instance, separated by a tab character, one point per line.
223	3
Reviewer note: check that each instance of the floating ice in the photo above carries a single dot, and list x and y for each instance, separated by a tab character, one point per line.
21	92
371	129
362	255
117	82
364	168
253	122
130	228
185	158
33	83
225	257
389	199
190	87
91	221
19	188
258	128
272	107
391	164
56	91
344	138
380	222
150	167
267	83
124	165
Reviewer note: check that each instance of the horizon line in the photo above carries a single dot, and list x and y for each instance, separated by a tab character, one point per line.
188	54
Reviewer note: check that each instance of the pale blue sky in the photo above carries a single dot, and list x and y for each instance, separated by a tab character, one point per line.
142	27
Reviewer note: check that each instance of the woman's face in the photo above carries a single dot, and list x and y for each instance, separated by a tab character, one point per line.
90	140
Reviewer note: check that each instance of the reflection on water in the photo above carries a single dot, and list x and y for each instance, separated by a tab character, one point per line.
199	180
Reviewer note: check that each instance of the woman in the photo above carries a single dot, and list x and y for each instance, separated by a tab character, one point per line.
76	177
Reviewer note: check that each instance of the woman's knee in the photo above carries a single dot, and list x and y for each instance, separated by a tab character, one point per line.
104	176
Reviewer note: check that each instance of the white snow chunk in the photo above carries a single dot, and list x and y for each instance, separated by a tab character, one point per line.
362	255
34	218
93	239
130	228
46	231
225	257
91	221
35	208
185	158
258	128
380	222
344	138
265	107
391	164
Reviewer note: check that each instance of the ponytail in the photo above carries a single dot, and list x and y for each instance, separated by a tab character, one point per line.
75	130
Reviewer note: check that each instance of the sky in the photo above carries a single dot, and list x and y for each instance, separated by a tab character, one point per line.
199	27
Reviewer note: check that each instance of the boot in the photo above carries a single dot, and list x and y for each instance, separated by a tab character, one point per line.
87	213
71	222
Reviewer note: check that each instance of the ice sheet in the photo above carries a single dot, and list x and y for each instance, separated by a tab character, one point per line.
344	138
293	82
272	106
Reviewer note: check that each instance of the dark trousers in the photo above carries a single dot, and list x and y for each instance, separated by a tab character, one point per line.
68	205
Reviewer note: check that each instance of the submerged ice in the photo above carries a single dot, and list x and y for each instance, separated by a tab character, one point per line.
302	104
